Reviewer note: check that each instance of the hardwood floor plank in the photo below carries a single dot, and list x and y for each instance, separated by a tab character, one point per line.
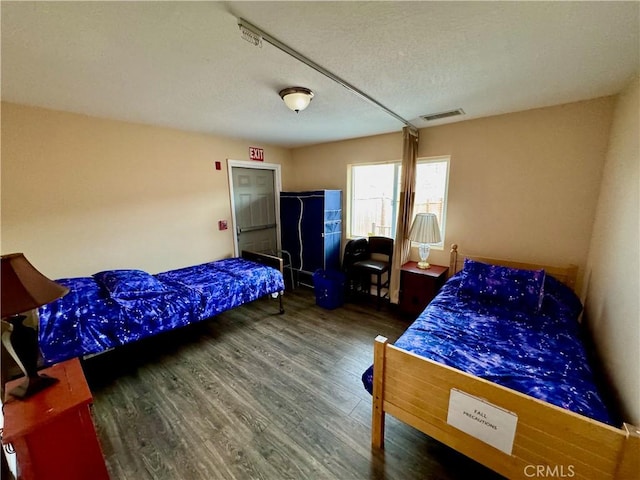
289	457
251	394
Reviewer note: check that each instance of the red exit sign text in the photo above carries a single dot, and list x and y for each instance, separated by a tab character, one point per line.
256	153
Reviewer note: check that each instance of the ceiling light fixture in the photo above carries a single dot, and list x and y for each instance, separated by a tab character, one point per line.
258	32
296	98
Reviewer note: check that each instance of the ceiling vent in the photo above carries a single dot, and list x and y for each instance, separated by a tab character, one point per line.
439	116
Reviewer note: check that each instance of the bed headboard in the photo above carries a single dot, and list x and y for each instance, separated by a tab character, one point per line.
268	260
566	275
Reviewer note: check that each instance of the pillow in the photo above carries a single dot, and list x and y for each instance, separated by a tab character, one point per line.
130	284
560	301
511	287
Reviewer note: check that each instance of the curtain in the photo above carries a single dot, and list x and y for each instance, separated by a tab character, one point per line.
402	244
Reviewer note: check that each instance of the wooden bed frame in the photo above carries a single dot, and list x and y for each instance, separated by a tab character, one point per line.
549	441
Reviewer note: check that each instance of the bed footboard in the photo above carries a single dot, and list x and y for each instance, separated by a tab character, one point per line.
269	261
416	390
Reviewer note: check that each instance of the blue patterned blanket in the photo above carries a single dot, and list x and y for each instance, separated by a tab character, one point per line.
116	307
527	339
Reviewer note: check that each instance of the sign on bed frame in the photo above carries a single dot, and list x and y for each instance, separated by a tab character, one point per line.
482	420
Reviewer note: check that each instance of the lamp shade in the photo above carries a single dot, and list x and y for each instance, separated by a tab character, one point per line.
23	287
296	98
425	229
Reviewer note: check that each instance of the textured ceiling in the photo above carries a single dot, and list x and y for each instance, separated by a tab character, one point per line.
185	65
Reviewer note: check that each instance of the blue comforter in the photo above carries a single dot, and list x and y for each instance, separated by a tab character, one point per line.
224	284
116	307
536	352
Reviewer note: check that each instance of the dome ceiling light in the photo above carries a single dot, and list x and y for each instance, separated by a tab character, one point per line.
296	98
256	35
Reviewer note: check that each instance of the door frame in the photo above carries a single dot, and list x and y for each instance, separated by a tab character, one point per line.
277	176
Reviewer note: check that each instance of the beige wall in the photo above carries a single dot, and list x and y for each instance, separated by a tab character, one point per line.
612	309
81	194
521	185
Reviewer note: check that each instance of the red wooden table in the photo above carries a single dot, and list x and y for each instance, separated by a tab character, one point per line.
52	432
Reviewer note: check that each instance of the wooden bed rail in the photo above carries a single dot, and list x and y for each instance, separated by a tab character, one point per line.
416	390
567	275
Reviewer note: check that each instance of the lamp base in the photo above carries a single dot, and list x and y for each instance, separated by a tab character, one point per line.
32	385
21	342
423	250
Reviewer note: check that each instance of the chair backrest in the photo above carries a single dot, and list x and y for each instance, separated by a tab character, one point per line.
355	250
382	246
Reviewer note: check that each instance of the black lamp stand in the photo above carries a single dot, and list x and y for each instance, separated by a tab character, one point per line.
22	343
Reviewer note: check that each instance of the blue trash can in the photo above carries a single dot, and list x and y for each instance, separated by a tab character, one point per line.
329	288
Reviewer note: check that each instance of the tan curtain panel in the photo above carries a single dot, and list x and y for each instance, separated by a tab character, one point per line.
402	244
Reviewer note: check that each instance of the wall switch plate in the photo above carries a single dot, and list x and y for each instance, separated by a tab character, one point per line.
218	166
222	225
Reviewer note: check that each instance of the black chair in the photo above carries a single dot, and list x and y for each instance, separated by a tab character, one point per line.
373	264
355	250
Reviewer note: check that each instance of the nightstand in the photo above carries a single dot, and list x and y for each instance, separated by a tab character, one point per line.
418	286
52	432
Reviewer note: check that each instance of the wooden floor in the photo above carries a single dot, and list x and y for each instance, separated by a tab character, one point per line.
252	394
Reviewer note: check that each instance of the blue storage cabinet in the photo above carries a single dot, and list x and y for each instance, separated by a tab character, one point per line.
311	230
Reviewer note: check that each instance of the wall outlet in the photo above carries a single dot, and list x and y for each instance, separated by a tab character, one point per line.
222	225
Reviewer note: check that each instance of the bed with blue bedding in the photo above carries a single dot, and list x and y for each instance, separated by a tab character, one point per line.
116	307
538	352
510	337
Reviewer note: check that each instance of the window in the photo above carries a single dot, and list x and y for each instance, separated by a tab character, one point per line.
375	190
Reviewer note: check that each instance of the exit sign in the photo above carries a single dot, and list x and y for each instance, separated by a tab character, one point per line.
256	153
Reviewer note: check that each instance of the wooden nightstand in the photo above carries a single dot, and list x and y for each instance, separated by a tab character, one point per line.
52	432
418	286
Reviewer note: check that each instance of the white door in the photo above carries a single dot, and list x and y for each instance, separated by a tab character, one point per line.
255	196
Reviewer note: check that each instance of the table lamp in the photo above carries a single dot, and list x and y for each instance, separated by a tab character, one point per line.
24	288
425	231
